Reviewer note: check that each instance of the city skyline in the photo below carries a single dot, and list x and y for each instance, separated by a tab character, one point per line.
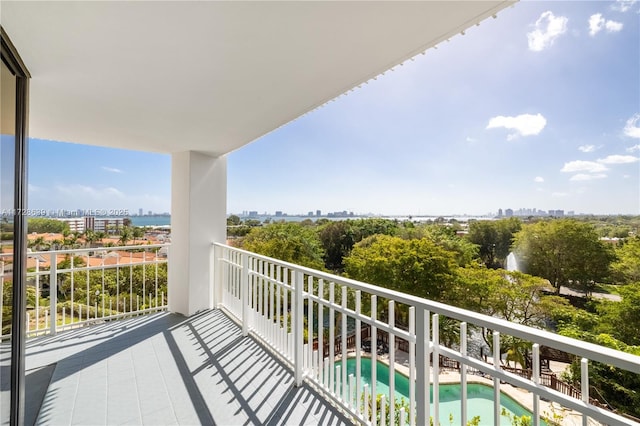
539	107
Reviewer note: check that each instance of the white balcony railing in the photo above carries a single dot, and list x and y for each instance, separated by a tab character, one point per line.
305	317
71	288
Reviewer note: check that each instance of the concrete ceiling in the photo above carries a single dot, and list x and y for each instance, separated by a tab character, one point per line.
172	76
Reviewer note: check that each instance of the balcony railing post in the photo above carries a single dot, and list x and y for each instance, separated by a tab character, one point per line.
244	293
535	377
584	383
53	291
422	367
298	325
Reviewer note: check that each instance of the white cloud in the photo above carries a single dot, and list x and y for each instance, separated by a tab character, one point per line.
32	188
89	192
583	166
547	28
559	194
539	179
633	148
613	26
597	23
524	124
631	129
623	5
618	159
587	148
583	176
471	140
112	169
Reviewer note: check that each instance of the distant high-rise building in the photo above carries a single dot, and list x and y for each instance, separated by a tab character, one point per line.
140	211
499	212
150	213
310	214
508	212
571	213
278	213
318	212
253	213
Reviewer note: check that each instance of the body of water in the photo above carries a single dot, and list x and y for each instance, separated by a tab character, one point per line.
166	220
151	220
479	396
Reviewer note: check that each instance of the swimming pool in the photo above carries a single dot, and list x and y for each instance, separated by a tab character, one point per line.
479	396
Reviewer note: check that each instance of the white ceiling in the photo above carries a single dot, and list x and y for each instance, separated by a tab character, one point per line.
171	76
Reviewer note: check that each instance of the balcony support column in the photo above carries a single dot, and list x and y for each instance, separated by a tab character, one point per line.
198	218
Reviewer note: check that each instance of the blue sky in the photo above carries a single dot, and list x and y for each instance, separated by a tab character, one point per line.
539	108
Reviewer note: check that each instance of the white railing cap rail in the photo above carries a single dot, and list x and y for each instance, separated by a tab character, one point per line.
95	249
588	350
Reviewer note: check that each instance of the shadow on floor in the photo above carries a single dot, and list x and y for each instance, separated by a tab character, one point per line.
168	369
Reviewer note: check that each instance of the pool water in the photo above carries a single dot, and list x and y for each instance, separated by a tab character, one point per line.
479	396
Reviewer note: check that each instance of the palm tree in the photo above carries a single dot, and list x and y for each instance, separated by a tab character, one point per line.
56	244
125	235
100	235
71	240
89	237
137	232
37	243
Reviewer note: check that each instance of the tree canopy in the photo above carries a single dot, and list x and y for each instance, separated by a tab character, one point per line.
288	242
339	237
564	251
42	225
627	266
494	239
417	266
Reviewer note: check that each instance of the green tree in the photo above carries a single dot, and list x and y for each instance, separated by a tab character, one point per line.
233	220
509	295
70	240
100	235
287	241
622	319
57	244
627	266
43	225
363	228
89	237
418	267
137	233
37	243
125	235
339	237
446	237
494	239
337	241
616	386
565	252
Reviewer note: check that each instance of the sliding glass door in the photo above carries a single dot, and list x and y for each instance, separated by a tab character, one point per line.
13	184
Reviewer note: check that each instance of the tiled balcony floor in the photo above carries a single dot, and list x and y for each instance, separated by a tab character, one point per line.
167	369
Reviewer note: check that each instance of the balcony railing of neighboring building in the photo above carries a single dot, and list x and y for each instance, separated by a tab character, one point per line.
71	288
295	310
